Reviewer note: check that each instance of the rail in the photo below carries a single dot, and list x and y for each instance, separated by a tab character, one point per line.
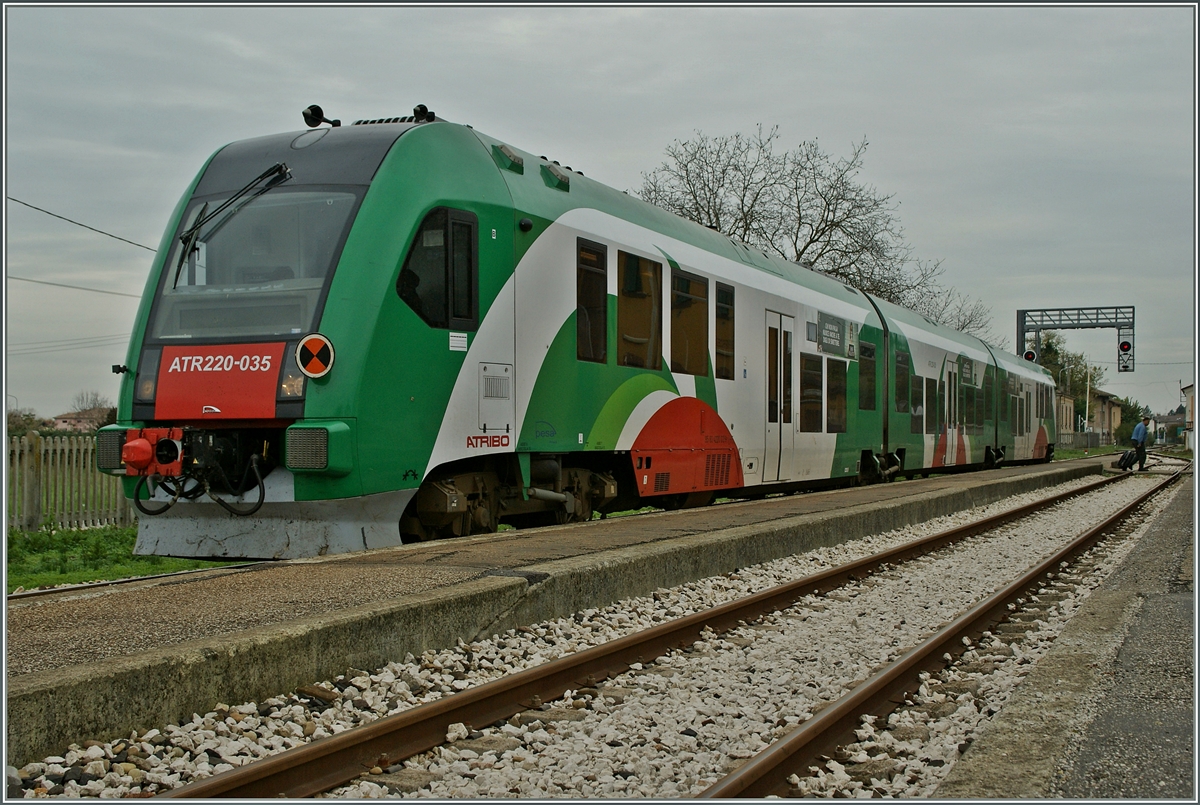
767	773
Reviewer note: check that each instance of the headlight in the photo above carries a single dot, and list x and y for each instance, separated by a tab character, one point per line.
147	376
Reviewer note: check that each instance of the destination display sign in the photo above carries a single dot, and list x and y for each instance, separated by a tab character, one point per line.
831	334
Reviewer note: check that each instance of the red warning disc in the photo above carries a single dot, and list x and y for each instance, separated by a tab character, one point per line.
314	355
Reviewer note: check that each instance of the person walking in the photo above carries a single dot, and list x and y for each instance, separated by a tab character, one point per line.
1140	432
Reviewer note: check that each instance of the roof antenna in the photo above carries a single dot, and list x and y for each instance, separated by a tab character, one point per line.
313	117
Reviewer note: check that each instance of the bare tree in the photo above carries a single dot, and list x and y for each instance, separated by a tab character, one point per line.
724	183
810	208
89	400
951	308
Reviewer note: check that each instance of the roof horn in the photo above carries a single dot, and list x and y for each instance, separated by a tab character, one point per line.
313	117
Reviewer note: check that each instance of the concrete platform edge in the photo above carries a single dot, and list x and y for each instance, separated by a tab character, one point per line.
107	700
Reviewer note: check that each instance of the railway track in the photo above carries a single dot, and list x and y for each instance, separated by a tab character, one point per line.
333	761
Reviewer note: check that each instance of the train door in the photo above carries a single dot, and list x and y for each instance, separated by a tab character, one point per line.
951	412
779	415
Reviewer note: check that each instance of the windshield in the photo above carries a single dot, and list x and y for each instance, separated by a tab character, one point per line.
258	270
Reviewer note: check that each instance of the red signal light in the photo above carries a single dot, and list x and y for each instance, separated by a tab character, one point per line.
1125	346
1030	355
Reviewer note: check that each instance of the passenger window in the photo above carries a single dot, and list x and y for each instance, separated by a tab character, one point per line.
439	280
968	407
943	403
725	364
932	409
901	382
787	377
591	299
772	374
836	402
689	324
639	312
989	393
866	377
918	405
810	393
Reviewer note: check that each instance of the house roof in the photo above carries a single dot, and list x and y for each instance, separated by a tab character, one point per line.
90	413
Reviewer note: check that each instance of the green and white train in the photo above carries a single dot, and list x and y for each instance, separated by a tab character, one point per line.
403	329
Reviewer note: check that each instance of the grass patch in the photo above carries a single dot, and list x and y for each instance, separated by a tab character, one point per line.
49	557
1104	450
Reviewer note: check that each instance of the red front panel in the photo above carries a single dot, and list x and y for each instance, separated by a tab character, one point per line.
218	382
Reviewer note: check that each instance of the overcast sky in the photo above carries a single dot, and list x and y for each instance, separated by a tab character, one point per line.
1047	155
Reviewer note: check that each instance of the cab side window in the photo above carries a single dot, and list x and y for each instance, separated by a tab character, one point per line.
440	278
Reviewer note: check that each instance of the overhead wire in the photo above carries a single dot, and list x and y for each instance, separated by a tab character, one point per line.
75	287
85	226
58	341
98	342
58	346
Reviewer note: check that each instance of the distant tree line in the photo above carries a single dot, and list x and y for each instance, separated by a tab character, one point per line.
98	408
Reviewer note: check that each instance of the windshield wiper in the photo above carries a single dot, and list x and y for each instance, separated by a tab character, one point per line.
191	235
189	243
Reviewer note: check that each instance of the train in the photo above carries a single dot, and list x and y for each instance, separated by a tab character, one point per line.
403	329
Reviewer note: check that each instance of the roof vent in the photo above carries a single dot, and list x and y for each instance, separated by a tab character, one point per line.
421	114
554	176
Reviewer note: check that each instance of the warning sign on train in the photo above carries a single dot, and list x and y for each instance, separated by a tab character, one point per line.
314	355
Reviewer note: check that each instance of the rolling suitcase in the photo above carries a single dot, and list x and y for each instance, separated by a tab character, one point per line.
1127	460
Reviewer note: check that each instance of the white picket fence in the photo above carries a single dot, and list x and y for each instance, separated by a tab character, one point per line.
55	481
